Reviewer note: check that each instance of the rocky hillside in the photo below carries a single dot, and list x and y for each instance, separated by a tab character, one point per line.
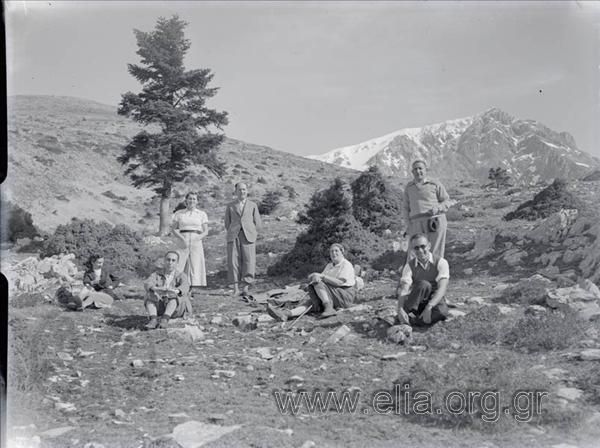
62	164
467	148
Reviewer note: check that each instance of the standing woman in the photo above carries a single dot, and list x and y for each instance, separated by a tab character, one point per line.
190	226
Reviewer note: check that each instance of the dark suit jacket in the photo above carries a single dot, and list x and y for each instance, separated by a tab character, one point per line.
107	278
248	221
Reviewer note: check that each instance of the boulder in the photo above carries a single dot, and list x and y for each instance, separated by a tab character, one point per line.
484	244
512	257
399	334
576	299
555	227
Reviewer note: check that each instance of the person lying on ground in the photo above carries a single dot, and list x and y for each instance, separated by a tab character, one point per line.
429	276
329	290
167	293
100	277
80	297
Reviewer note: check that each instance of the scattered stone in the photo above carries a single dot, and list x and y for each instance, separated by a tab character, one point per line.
512	257
265	353
399	334
179	377
569	393
83	354
295	379
216	320
137	363
216	418
417	348
592	354
553	228
264	318
178	415
393	356
536	310
589	286
454	313
455	346
250	368
362	308
556	374
195	434
574	298
484	244
338	335
65	356
289	354
119	413
65	407
475	300
57	432
245	322
468	271
505	309
224	373
189	333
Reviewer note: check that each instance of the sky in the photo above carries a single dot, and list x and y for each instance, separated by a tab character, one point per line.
309	77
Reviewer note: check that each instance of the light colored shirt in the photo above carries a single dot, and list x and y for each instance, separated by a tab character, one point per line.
343	271
422	198
442	268
189	219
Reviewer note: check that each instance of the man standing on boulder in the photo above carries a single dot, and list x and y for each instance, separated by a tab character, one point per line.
425	205
429	275
242	221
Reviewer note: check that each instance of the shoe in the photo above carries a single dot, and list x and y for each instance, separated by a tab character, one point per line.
277	313
164	322
328	313
152	325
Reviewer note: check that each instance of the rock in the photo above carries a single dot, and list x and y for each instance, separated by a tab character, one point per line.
295	379
216	320
455	346
417	348
65	407
245	322
65	356
308	444
553	228
484	244
475	300
262	318
265	353
592	354
362	308
189	333
289	354
576	299
339	334
536	310
57	432
195	434
589	286
393	356
512	257
224	373
468	271
137	363
179	378
556	374
569	393
399	334
505	309
454	313
119	413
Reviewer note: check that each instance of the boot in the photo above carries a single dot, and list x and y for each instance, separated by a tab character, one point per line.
328	311
278	313
153	324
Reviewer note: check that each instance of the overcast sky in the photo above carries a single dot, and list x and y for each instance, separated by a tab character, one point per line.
310	77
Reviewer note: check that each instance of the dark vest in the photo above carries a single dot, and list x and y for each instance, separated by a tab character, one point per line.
429	274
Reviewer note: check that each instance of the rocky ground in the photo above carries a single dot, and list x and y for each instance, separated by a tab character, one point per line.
523	319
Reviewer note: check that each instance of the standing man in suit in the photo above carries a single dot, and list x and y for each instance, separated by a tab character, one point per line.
242	222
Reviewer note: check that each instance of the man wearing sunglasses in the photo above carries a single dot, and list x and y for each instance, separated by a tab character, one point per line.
429	275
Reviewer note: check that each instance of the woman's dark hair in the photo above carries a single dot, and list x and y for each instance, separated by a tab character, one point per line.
92	258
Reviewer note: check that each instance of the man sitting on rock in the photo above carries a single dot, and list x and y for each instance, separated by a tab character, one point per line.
424	304
167	293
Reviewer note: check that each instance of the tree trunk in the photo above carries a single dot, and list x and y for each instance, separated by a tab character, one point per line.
165	215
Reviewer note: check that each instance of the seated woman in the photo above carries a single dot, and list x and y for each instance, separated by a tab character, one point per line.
80	297
100	278
329	290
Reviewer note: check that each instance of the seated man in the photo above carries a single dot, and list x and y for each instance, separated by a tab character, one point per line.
167	293
429	276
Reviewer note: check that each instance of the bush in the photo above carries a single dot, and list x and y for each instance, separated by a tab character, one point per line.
389	260
330	220
548	201
123	248
261	180
269	202
374	204
19	225
290	191
551	331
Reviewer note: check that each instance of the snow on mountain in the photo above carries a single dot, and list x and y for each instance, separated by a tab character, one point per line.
467	148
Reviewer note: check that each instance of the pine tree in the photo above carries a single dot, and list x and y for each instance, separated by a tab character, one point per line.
180	131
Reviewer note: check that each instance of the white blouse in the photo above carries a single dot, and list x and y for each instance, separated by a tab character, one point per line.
189	220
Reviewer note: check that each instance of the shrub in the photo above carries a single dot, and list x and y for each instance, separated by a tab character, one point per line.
548	201
330	220
551	331
269	202
389	260
374	204
111	195
261	180
123	248
290	191
19	224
